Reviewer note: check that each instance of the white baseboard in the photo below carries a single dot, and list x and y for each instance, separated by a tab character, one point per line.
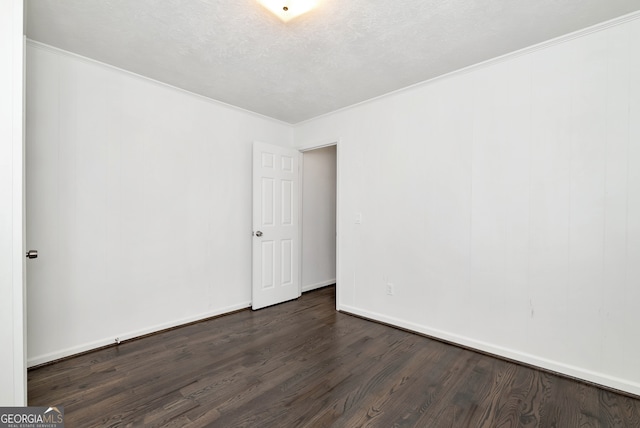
310	287
533	360
52	356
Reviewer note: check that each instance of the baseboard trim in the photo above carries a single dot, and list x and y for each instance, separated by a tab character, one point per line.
600	380
317	285
74	351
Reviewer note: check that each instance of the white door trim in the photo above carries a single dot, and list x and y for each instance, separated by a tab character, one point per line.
13	372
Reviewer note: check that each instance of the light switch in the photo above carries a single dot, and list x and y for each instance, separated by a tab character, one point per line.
358	218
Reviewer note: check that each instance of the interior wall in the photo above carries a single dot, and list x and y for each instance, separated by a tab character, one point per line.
319	218
139	200
503	202
13	390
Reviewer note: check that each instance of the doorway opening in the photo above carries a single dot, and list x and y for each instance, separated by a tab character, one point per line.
319	207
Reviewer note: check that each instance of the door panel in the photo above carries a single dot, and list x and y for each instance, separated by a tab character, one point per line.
267	264
286	257
275	225
287	202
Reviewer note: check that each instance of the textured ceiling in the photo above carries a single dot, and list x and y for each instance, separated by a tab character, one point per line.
342	53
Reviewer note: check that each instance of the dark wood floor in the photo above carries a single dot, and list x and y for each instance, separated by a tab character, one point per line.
301	364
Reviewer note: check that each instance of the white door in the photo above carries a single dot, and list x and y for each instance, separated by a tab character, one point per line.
276	238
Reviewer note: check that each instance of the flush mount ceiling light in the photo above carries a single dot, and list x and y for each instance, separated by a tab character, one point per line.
288	9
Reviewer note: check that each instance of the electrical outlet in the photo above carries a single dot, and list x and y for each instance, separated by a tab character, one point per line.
390	289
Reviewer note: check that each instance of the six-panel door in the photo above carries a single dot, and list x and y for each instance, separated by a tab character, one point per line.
275	225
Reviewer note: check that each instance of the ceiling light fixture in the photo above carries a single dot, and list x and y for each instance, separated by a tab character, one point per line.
286	10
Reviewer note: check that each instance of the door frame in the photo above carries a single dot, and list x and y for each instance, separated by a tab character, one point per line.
307	148
12	143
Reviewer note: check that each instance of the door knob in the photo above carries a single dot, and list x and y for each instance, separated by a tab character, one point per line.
258	234
32	254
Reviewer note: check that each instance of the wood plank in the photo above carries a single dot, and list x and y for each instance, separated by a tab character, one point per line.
303	364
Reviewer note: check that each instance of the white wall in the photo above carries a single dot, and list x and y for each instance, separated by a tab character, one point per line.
319	218
139	200
13	390
504	204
